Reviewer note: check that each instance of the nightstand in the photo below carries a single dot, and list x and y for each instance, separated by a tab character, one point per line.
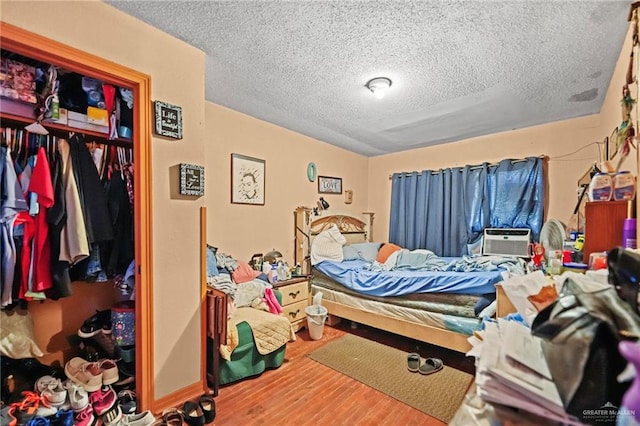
295	298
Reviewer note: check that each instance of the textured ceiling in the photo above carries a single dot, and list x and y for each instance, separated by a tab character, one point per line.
459	68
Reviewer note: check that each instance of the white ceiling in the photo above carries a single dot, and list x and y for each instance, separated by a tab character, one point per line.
459	68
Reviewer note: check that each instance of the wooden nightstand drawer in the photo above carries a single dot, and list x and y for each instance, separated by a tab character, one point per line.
295	311
294	293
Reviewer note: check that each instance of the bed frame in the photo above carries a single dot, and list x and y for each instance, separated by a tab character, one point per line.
356	230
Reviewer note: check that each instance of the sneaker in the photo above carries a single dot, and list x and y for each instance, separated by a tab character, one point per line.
51	390
113	417
103	400
141	419
109	370
32	405
62	418
38	421
100	322
127	401
86	374
78	397
85	417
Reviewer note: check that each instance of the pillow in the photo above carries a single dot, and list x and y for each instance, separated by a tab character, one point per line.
328	246
244	273
17	340
350	253
212	266
361	251
385	251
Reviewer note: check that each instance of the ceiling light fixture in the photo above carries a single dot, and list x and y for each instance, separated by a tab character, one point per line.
378	86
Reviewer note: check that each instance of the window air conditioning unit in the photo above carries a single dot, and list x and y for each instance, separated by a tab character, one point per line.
506	242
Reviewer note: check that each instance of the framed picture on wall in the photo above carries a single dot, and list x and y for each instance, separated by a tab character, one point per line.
247	180
329	185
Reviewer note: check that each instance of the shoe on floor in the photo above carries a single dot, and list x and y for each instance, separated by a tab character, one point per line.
113	417
193	414
127	401
84	373
109	370
430	366
103	400
85	417
77	396
208	407
100	322
413	362
51	390
141	419
62	418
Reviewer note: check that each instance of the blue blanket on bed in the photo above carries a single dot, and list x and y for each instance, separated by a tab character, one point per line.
446	275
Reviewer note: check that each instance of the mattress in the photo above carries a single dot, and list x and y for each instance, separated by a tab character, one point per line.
452	312
356	275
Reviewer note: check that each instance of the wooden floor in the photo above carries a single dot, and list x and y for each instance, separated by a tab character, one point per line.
304	392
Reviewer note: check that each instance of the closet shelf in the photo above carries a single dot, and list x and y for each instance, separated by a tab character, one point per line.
61	130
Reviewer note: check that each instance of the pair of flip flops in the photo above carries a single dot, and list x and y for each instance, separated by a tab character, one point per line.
430	366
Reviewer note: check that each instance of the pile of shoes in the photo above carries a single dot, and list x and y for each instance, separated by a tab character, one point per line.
84	397
98	342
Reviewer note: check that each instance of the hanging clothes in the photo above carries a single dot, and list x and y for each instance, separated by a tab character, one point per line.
74	242
57	219
93	199
12	203
41	185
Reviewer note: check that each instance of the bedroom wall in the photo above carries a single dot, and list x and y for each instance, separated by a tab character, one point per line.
569	144
99	29
241	230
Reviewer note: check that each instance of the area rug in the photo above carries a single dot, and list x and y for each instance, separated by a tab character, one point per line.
385	369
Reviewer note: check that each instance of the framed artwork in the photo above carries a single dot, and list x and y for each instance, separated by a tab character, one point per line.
191	179
329	185
247	180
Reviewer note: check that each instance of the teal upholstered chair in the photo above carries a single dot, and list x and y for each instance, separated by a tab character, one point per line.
246	361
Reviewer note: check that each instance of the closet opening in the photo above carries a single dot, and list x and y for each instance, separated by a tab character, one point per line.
127	155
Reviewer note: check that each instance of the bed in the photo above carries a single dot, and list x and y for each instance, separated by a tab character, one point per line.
436	306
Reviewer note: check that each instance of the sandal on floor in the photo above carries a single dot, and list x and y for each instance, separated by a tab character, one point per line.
413	362
430	366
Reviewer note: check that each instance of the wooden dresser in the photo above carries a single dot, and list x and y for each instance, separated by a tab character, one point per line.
295	299
604	221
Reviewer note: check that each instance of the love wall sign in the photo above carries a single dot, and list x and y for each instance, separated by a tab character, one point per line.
168	120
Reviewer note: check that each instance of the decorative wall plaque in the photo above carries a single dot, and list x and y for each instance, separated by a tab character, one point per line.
168	120
191	179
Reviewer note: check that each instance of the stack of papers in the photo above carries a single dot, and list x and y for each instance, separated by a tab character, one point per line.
512	371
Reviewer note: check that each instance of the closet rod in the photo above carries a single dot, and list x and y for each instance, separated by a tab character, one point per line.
544	157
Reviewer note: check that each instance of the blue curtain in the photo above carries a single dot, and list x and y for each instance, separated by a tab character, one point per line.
446	210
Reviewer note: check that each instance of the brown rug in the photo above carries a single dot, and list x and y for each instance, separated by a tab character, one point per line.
385	369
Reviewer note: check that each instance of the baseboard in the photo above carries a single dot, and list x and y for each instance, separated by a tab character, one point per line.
178	398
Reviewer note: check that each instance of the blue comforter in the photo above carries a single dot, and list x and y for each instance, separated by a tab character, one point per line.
452	275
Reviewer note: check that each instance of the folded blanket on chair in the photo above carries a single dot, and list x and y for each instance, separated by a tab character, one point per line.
270	331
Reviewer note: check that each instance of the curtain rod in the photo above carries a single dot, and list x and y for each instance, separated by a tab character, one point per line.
544	157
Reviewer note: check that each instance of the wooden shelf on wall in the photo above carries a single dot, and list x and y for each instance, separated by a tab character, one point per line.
57	129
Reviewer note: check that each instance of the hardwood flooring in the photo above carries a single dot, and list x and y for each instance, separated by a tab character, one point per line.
304	392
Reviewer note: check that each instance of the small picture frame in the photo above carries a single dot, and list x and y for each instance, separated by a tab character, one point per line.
329	185
191	180
168	120
247	180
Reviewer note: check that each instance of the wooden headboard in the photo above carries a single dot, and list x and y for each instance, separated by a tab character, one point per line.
308	226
